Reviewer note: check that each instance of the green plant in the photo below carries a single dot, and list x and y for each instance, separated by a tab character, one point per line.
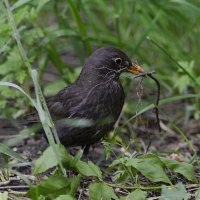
161	35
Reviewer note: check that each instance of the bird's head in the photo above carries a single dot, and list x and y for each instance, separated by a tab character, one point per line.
108	62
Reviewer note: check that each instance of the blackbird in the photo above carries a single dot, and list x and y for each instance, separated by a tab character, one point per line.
87	109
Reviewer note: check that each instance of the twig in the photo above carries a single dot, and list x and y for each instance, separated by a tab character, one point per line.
145	74
80	194
157	100
153	198
14	187
17	178
8	181
167	129
134	187
17	193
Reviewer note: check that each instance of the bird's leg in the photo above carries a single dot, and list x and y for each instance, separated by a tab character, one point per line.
86	149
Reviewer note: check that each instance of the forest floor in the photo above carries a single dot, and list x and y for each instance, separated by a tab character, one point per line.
167	142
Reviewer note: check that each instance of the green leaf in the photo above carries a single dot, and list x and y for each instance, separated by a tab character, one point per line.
151	167
20	76
18	88
4	195
55	186
41	4
137	195
120	175
19	4
48	159
101	191
8	151
174	193
107	148
197	194
183	168
3	104
182	83
13	62
65	197
20	14
88	169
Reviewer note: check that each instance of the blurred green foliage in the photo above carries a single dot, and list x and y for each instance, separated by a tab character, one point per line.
49	30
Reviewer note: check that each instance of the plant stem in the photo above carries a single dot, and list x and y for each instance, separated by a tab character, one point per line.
48	127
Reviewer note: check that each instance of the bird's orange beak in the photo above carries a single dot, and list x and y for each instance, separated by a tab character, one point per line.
135	69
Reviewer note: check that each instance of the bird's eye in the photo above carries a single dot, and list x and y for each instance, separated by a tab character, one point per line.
118	61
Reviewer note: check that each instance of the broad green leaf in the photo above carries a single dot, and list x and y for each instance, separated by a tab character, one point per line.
174	193
88	169
8	151
48	159
151	167
137	195
197	194
75	183
55	186
183	168
65	197
99	191
55	183
3	195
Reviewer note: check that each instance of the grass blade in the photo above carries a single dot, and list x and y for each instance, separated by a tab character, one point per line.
8	151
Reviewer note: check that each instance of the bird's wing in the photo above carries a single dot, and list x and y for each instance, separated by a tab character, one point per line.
60	106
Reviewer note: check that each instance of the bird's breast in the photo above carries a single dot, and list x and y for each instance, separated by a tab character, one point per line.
103	101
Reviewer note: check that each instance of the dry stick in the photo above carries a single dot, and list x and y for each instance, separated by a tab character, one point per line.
14	187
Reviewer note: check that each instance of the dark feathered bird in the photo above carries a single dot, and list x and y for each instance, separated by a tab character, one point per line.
96	98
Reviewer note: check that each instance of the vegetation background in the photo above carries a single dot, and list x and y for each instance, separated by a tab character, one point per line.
43	44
